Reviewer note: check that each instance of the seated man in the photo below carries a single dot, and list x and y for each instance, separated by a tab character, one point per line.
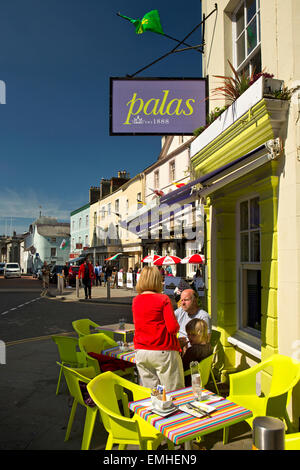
197	332
188	310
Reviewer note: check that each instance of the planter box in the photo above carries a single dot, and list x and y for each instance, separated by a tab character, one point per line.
241	106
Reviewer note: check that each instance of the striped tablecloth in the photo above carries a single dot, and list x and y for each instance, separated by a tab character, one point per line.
181	427
126	356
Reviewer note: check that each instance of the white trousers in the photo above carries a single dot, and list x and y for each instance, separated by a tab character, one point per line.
160	367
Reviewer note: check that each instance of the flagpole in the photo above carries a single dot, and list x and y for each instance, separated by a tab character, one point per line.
179	42
174	49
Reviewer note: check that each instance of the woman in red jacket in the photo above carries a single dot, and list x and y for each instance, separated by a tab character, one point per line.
87	274
155	338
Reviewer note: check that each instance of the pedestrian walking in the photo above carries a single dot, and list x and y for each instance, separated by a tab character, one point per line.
45	278
87	274
65	273
107	274
98	271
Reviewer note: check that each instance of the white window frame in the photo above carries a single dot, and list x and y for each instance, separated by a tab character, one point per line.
257	48
243	266
156	179
172	171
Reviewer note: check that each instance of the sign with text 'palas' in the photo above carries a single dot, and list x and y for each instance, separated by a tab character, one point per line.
157	106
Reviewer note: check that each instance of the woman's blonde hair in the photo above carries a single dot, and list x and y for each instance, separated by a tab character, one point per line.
150	279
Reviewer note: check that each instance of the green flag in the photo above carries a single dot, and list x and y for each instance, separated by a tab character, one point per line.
149	22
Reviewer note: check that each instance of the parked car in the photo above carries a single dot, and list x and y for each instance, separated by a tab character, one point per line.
56	269
73	272
12	270
2	265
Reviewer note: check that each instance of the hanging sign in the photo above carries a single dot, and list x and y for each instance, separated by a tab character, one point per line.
157	106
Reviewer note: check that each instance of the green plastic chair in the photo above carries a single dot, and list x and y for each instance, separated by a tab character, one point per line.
205	369
96	343
69	354
292	441
73	377
123	430
83	327
285	374
215	338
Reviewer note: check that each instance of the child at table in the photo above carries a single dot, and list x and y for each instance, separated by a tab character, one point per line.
200	348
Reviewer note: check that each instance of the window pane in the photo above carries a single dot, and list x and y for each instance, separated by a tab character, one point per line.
251	9
254	299
256	62
240	24
254	213
244	247
244	215
251	36
241	49
254	246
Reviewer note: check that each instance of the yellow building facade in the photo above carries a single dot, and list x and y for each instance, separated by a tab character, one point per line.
248	162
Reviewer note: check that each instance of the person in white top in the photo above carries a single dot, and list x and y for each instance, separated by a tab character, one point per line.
188	310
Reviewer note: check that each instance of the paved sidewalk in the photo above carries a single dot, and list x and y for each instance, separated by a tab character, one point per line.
33	417
99	294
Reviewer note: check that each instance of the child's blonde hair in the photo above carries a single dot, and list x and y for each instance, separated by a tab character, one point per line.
198	327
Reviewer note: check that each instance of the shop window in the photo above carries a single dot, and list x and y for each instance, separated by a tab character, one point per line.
249	265
246	37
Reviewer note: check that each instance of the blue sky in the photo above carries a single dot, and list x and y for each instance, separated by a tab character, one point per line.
56	59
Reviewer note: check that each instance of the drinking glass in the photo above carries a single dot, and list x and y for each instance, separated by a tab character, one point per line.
196	380
197	386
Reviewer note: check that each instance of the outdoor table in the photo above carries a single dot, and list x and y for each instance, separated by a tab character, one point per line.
181	427
118	354
115	327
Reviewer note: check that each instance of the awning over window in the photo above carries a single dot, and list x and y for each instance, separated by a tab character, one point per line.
223	175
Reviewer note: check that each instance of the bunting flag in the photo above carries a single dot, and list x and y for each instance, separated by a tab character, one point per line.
179	185
158	192
141	202
64	244
149	22
113	257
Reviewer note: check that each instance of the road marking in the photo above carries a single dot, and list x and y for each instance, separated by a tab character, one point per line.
40	338
21	305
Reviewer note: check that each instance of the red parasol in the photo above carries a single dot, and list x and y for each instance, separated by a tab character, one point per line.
193	259
167	260
150	258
